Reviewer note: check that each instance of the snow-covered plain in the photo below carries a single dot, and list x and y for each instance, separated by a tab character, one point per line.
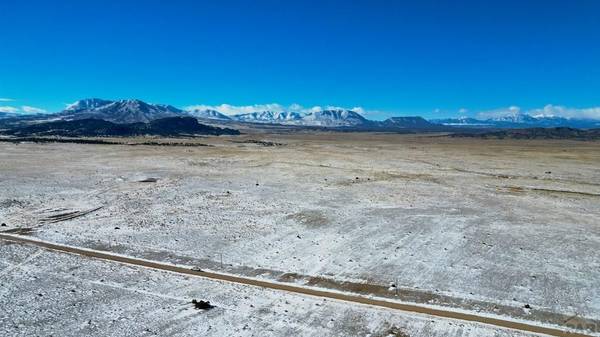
44	294
497	225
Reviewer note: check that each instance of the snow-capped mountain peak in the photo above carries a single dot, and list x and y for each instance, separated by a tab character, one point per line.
408	122
331	118
336	117
87	104
514	117
208	114
257	117
122	111
288	116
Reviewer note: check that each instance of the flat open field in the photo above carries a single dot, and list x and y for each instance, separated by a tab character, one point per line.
498	227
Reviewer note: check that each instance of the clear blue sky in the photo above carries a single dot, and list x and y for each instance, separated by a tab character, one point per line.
396	57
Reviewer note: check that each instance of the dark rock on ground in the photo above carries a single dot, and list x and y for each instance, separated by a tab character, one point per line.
202	305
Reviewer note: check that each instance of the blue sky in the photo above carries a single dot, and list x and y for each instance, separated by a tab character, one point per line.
429	58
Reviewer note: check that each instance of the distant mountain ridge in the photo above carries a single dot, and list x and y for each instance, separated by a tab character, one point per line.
519	120
137	111
408	122
87	104
208	114
122	111
334	118
461	121
7	114
268	117
282	117
325	118
170	126
536	133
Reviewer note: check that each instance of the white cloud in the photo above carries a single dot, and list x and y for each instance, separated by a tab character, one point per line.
498	113
566	112
4	99
9	109
360	110
295	107
32	110
228	109
463	110
315	108
547	111
24	109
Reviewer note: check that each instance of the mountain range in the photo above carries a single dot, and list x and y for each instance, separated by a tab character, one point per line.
535	133
208	114
519	120
326	118
7	114
89	127
136	111
121	112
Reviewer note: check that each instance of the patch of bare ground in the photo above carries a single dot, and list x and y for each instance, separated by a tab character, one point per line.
522	189
6	203
374	176
310	218
98	141
264	143
394	331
